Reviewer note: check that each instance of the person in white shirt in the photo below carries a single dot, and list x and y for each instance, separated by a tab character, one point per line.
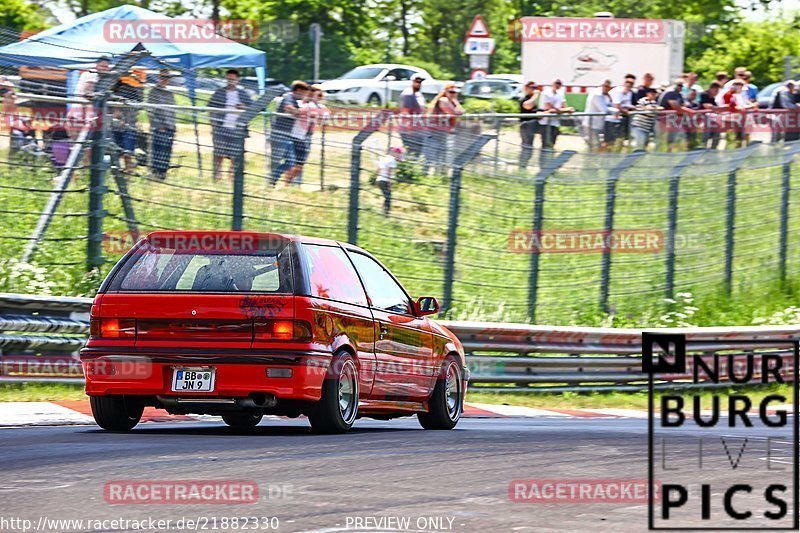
552	101
599	103
386	167
226	139
622	102
78	114
312	112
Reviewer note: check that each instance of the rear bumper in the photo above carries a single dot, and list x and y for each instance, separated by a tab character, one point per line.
238	374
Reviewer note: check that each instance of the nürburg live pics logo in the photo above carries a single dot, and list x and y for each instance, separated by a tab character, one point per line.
722	433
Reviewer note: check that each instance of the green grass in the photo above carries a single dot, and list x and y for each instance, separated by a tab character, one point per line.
40	392
491	281
620	400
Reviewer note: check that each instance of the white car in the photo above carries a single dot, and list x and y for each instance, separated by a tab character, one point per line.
376	84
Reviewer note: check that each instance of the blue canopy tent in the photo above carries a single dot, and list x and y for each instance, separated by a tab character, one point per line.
79	44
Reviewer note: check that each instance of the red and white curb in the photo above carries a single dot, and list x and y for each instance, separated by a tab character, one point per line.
67	413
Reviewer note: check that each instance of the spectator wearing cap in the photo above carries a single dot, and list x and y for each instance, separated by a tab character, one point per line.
412	104
553	101
312	111
287	110
226	139
162	125
444	110
643	124
528	126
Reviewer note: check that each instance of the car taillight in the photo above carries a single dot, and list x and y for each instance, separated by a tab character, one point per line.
282	330
112	328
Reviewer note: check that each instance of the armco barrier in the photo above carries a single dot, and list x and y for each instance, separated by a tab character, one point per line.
40	337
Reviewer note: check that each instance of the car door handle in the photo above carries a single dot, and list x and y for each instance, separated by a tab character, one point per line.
384	331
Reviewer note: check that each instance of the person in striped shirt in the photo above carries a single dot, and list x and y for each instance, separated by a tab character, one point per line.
643	124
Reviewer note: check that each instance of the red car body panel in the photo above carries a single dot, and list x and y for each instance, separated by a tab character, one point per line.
398	355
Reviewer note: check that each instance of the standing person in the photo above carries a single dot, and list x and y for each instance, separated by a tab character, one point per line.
445	109
672	100
690	84
312	111
386	167
162	125
785	126
554	102
412	105
622	102
129	88
283	147
643	125
80	114
711	130
751	88
738	105
528	126
599	103
223	125
647	83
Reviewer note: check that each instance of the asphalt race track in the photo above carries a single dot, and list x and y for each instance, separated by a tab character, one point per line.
452	481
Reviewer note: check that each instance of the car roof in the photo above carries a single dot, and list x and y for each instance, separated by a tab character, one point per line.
389	66
166	235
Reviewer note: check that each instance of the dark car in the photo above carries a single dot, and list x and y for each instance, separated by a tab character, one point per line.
240	324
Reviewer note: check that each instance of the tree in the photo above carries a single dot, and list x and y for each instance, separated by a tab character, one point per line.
20	15
759	46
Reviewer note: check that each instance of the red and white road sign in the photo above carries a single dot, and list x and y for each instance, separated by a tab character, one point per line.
479	28
478	74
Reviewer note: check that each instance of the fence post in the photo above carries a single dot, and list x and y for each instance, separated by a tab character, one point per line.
258	106
730	213
97	187
355	172
611	198
238	181
672	218
322	158
452	217
538	217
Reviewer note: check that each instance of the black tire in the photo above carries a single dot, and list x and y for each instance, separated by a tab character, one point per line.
338	407
447	401
116	413
374	100
242	420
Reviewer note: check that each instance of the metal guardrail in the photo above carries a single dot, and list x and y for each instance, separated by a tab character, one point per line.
41	335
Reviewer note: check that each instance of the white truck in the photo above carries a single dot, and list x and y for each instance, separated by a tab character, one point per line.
587	51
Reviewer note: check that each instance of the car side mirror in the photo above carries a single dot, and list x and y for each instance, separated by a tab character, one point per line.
426	305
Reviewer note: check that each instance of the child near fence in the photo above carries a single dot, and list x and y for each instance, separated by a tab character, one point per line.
386	166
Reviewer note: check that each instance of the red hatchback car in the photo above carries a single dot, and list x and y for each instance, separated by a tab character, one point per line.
243	324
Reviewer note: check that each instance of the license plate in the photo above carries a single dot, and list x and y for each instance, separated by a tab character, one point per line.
193	379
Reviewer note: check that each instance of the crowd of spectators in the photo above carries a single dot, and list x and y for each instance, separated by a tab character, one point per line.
673	116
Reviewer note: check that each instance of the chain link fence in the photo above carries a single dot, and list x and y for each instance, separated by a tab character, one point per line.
494	230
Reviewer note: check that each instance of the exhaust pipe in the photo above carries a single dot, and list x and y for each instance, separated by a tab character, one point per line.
257	400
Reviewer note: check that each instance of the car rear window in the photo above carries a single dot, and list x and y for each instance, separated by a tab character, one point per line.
159	269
